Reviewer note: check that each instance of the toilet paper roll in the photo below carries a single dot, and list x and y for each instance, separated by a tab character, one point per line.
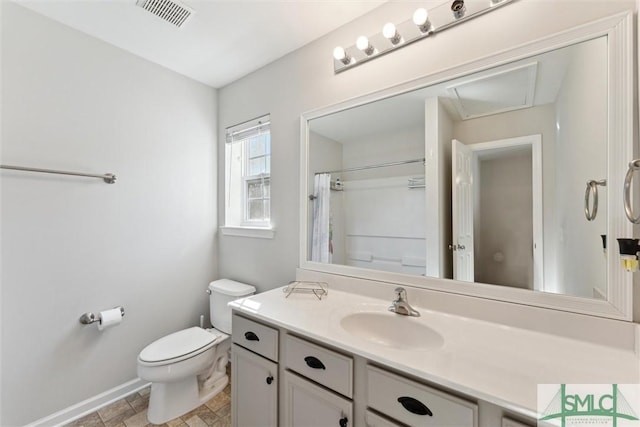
109	318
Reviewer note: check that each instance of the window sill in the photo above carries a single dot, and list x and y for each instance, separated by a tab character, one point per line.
255	232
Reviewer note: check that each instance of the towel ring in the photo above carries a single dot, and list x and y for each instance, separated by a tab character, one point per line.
592	188
634	165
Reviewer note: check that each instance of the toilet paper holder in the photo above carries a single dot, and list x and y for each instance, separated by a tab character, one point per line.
89	318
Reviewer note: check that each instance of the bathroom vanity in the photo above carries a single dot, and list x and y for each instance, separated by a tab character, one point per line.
346	360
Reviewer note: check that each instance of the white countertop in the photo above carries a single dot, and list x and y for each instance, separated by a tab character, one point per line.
492	362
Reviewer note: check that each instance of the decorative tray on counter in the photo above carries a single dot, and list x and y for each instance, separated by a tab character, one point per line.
319	289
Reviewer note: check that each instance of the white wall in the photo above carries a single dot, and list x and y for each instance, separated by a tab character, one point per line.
71	245
503	243
580	160
396	145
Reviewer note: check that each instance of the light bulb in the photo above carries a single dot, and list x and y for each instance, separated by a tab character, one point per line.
421	19
390	32
341	55
363	44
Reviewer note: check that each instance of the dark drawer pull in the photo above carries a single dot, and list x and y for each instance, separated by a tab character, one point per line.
251	336
414	406
344	421
314	362
269	379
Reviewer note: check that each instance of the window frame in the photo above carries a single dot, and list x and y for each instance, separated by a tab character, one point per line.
242	220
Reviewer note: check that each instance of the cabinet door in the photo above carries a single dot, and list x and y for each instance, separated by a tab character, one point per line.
309	405
254	389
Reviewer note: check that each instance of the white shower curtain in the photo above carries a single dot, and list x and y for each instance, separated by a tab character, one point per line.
321	250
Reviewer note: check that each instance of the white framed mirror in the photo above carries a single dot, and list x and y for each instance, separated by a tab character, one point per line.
476	180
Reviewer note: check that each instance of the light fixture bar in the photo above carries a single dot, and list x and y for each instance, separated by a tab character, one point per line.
435	20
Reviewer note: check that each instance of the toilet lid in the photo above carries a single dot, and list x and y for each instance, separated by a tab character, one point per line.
179	344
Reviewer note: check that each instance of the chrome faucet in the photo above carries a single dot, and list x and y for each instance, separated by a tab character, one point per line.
401	305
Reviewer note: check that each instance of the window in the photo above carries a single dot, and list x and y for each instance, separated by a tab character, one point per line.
248	174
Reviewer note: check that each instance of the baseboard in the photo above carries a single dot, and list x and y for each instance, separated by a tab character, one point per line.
90	405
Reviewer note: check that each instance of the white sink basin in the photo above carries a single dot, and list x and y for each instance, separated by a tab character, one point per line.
392	330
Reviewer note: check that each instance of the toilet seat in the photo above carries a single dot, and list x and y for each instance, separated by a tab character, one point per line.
179	346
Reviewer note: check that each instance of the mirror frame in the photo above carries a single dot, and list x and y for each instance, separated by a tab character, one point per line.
619	31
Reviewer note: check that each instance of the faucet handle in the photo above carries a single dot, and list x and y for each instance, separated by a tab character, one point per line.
401	293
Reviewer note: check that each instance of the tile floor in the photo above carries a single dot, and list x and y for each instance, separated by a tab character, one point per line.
132	412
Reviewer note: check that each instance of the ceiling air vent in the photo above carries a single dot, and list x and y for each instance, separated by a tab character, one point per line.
171	11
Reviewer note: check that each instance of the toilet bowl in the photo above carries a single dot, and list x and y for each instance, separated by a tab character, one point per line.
187	368
176	366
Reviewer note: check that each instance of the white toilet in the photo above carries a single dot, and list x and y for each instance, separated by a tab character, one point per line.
188	367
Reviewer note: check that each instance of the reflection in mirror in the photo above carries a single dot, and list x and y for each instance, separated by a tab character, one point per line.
481	178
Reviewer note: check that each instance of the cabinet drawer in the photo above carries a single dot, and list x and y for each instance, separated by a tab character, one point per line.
255	336
371	419
322	365
414	404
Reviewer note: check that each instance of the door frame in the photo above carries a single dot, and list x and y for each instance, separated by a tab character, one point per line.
535	142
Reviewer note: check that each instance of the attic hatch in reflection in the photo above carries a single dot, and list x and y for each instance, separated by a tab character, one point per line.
171	11
495	93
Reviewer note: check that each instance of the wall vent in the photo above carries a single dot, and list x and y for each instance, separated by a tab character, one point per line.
169	10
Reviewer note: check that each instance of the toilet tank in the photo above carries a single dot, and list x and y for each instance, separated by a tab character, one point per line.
221	292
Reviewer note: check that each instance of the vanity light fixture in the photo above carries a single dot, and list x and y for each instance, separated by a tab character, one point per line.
423	23
363	44
389	31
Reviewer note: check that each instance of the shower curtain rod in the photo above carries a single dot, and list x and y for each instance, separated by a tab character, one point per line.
381	165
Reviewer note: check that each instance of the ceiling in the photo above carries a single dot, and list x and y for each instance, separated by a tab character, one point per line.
222	41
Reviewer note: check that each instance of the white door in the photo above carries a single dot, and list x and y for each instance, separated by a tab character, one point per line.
462	211
309	405
254	389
